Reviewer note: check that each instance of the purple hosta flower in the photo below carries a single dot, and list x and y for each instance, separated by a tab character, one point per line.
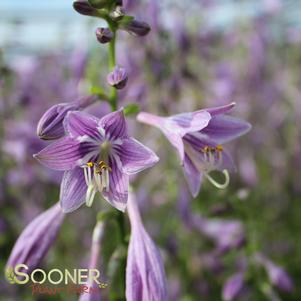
50	126
96	155
104	35
198	136
145	277
233	286
117	78
36	239
277	275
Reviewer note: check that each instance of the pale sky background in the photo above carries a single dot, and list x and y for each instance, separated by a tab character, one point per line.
45	23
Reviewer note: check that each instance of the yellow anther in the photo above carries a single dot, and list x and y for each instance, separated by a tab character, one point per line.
90	164
101	165
219	148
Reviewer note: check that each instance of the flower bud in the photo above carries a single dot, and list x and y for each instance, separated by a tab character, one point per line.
137	28
50	126
117	78
83	7
36	239
104	35
145	277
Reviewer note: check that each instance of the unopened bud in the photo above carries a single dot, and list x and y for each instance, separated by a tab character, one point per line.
118	78
138	28
83	7
104	35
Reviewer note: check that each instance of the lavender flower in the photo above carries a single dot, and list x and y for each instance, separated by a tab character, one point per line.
145	277
104	35
198	136
277	275
36	239
50	126
96	155
233	286
117	78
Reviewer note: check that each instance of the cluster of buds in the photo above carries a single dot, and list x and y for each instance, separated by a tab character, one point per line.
113	12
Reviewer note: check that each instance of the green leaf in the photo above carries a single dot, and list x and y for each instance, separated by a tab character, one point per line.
131	109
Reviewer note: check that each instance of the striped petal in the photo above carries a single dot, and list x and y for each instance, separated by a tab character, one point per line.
81	124
60	155
114	125
118	192
73	190
135	156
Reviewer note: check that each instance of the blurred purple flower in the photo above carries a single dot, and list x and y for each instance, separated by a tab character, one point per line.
145	276
83	7
197	137
227	234
233	286
36	239
50	126
96	155
277	275
117	78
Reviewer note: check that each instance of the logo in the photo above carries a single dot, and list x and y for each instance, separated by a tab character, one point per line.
69	281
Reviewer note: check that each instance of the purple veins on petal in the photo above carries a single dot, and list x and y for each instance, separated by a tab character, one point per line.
61	154
36	239
197	137
145	276
97	156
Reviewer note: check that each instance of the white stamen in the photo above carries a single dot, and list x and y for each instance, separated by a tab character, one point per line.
210	163
107	180
96	178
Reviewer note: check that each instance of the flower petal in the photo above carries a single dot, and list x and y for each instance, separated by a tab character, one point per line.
81	124
224	128
114	125
222	109
188	122
119	182
73	190
135	156
60	155
193	176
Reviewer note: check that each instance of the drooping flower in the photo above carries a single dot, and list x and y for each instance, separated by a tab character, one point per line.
198	137
50	126
36	239
118	78
277	275
96	155
145	276
233	286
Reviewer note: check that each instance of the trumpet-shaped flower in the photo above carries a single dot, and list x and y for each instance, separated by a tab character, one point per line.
145	276
198	137
97	155
36	239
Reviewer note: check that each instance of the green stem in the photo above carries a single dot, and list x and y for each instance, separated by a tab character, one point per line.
112	63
